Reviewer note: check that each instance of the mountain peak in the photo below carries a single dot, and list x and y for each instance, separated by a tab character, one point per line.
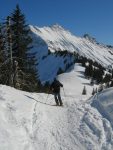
57	26
90	38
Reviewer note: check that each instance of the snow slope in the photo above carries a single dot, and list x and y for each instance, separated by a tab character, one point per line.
30	121
104	103
56	38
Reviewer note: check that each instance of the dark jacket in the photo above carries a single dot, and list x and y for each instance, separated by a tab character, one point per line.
55	86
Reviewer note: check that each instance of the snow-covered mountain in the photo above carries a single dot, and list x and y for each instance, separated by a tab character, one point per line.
30	121
56	38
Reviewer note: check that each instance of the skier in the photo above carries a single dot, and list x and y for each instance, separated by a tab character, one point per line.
55	87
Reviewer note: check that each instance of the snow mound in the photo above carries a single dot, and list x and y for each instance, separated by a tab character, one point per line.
103	101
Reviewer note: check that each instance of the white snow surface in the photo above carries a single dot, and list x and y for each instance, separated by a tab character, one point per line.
30	121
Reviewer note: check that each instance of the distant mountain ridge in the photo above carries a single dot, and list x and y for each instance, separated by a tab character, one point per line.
56	38
59	39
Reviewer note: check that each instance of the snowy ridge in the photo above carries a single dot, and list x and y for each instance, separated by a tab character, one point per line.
56	38
30	121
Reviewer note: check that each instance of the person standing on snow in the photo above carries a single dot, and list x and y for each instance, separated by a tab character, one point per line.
55	87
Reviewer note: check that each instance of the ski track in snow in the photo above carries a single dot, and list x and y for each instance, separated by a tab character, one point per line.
29	122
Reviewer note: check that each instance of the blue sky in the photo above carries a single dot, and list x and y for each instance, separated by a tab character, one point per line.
78	16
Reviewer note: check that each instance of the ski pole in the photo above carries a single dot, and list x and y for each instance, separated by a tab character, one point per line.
47	98
64	92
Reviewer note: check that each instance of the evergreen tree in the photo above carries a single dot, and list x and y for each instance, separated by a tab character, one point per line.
100	88
84	91
97	75
2	57
96	91
86	71
1	46
93	92
92	81
89	70
8	37
107	78
8	51
111	84
107	85
21	38
21	51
